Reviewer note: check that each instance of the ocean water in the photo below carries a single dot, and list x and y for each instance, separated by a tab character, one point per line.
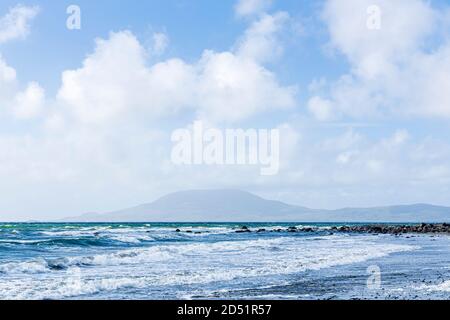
153	261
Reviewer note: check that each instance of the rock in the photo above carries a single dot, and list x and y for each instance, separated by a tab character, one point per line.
397	229
189	231
261	230
243	231
178	230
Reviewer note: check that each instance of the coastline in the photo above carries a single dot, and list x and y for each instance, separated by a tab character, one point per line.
385	228
222	261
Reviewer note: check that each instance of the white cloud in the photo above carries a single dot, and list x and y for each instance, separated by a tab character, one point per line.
261	41
15	24
115	82
102	126
30	102
320	108
393	72
404	24
251	7
335	168
104	133
160	43
7	82
233	89
7	74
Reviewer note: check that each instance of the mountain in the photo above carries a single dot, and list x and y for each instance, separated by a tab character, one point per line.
241	206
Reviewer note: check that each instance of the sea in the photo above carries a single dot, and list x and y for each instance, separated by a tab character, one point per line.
141	261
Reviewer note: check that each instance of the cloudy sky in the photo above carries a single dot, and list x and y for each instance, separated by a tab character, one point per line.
86	115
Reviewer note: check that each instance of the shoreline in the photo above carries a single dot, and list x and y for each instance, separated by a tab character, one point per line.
423	228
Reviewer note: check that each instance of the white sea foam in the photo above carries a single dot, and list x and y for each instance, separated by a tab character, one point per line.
134	235
444	287
188	264
30	267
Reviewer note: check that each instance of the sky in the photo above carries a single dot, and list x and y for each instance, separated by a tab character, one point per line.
361	99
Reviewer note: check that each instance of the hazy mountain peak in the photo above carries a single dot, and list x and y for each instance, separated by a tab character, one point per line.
241	206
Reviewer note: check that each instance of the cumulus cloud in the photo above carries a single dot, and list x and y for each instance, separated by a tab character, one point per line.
232	89
393	70
115	81
16	23
103	124
29	103
229	86
108	128
320	108
160	43
251	7
7	73
350	167
7	81
261	41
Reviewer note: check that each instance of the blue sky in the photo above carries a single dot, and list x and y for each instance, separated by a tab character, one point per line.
192	26
87	114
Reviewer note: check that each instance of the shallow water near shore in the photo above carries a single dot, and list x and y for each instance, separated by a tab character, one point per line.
213	261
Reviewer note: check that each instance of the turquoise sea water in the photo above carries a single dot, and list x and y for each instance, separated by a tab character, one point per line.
212	261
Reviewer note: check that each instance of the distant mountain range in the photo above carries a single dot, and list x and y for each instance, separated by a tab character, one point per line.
241	206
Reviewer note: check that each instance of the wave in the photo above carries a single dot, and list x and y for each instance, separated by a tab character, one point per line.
84	237
42	265
187	264
64	242
443	287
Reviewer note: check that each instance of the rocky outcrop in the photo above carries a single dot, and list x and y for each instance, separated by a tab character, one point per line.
243	229
424	228
396	229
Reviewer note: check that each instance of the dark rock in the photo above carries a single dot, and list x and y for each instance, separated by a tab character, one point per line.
178	230
243	231
397	229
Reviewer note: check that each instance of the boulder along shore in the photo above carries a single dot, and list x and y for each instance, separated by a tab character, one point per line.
396	229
